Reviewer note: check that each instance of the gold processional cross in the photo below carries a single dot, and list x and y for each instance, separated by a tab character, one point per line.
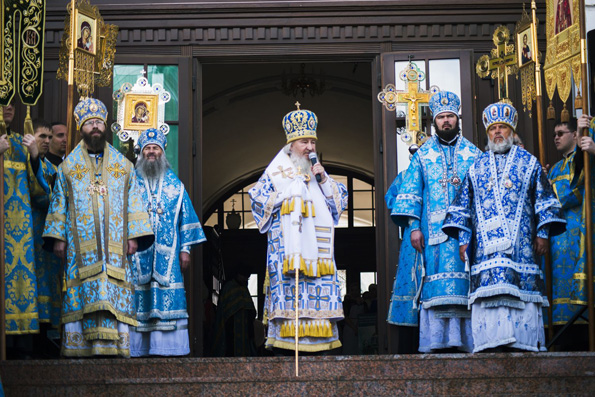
501	64
414	97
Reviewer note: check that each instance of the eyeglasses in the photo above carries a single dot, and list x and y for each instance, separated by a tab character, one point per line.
96	122
560	134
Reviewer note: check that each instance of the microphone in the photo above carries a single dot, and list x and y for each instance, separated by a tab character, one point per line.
314	160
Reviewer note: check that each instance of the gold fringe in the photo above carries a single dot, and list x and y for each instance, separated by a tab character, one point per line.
313	212
303	347
324	267
307	328
291	205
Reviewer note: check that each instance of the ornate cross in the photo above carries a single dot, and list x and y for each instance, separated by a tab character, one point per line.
318	297
78	172
284	173
117	171
414	97
502	62
298	223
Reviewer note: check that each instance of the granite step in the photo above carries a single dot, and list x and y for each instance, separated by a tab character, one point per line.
438	374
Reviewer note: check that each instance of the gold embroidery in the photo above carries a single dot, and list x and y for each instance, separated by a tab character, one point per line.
15	165
117	171
78	172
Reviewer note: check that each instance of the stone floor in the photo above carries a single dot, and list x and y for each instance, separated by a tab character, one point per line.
440	374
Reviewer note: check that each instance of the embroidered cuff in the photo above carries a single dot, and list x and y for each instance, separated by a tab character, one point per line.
544	231
185	249
464	237
414	224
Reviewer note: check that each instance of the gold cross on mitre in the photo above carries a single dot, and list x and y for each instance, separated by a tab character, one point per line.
502	62
414	97
297	105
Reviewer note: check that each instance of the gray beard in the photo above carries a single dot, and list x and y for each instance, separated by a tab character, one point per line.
152	169
302	163
501	147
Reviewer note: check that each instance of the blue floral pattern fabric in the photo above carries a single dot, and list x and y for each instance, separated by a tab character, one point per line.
159	284
403	309
421	203
505	201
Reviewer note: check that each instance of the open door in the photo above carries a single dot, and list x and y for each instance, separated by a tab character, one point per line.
450	71
178	75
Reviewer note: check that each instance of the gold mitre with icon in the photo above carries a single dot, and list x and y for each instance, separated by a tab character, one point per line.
300	124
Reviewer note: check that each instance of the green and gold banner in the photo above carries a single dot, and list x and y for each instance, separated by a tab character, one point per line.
21	46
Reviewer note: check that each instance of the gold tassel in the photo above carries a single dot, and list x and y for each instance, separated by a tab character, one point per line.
284	208
564	116
312	209
551	112
578	101
291	205
28	122
304	209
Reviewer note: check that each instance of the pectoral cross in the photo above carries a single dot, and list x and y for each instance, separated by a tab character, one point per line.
502	62
444	181
298	223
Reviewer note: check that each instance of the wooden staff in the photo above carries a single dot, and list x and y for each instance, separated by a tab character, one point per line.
540	135
588	199
297	327
71	141
2	256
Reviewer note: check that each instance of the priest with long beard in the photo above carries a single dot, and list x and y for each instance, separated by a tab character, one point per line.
504	213
161	307
298	205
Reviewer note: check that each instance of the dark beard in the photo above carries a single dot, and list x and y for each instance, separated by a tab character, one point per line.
95	143
448	135
152	169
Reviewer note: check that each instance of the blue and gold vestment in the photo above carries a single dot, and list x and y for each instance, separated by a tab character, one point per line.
47	265
319	290
20	185
158	280
429	185
578	289
504	203
96	208
565	248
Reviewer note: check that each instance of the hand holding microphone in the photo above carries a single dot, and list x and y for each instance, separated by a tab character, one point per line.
317	168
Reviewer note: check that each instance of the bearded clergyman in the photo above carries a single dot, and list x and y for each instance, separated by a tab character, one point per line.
419	202
96	219
503	216
157	272
298	205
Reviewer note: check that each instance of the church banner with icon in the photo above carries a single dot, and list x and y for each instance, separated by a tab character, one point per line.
563	56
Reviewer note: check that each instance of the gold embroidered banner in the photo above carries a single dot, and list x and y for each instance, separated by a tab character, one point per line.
21	46
562	61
